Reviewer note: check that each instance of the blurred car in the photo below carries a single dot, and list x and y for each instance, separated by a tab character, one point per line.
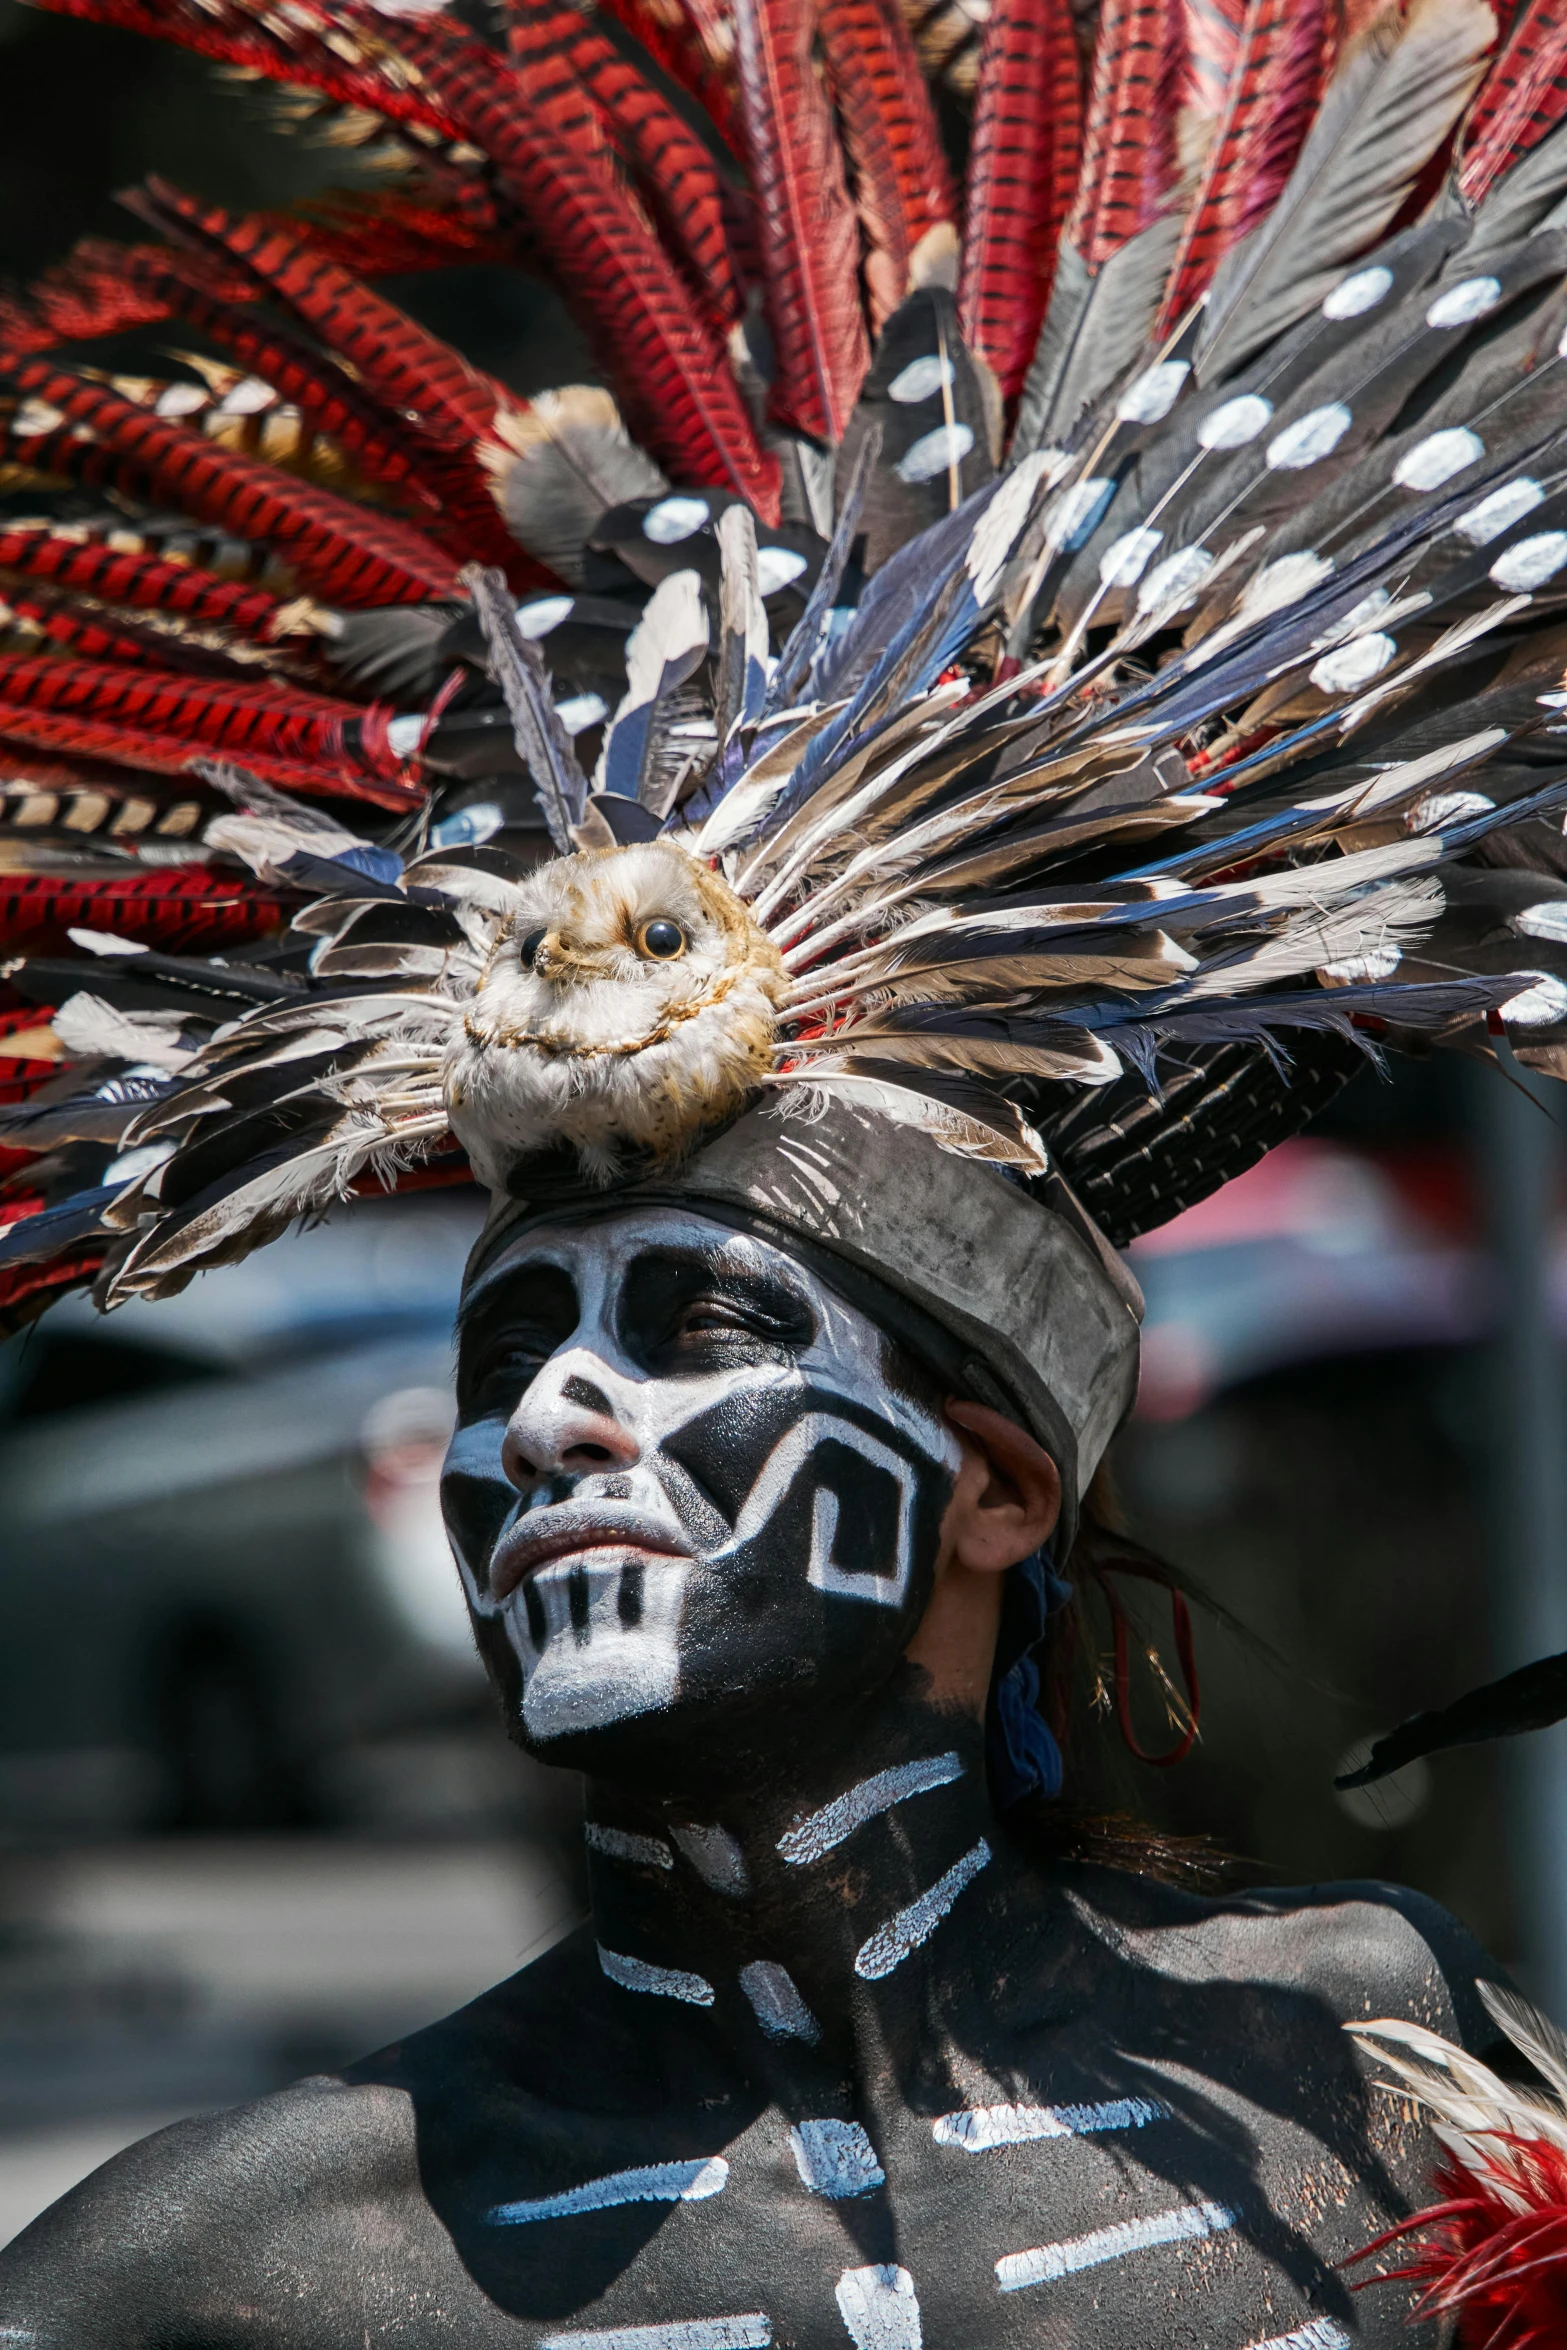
222	1565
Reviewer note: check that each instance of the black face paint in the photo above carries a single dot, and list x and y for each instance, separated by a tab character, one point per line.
682	1482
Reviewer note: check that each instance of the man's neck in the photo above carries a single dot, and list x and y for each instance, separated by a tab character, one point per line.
822	1891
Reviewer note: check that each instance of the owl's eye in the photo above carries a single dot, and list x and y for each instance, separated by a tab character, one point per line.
662	940
528	947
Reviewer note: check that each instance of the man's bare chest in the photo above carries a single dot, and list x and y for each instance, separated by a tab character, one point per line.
1168	2216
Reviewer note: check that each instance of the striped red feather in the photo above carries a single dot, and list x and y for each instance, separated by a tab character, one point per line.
1523	97
230	716
1129	165
342	552
1023	161
902	187
1273	94
87	563
675	384
550	42
670	34
410	369
72	736
809	232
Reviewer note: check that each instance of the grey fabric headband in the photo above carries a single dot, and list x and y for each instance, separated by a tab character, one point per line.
1039	1307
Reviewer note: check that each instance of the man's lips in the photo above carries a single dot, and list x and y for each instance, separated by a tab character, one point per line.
570	1530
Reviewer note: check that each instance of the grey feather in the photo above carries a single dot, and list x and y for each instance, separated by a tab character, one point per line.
517	666
1395	97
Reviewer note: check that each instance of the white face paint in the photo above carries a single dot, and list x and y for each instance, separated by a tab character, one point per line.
686	1478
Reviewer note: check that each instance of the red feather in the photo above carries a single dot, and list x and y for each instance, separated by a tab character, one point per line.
342	552
1129	162
1501	2270
1023	163
1522	98
1273	94
809	233
75	737
91	566
675	41
233	717
902	186
677	390
26	1289
179	909
410	370
553	44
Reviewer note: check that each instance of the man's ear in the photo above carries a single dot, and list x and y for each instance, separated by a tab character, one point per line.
1007	1498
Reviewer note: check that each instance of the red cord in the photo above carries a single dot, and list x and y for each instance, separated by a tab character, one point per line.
1180	1616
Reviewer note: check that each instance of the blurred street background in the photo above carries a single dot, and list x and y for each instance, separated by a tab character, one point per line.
256	1815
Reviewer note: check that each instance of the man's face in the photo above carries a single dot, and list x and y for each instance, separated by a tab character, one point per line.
687	1489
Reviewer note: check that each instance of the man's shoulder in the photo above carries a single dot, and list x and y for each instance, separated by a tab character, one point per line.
137	2244
1356	1949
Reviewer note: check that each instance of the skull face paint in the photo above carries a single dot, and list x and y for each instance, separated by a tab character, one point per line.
688	1485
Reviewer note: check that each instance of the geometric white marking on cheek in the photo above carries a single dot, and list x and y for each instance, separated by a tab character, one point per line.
821	1830
1323	2333
658	2182
752	2331
880	2309
661	1982
1048	2263
835	2159
984	2127
892	1943
716	1858
643	1852
776	2002
612	1672
788	1456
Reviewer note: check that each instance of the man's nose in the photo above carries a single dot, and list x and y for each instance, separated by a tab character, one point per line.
566	1425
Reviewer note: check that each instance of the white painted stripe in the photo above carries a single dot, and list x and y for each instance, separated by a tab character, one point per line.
665	1982
655	2182
820	1830
983	2127
892	1943
835	2159
1323	2333
753	2331
644	1852
1048	2263
880	2308
775	1997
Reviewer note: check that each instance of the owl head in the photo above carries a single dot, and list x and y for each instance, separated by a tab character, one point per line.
628	1002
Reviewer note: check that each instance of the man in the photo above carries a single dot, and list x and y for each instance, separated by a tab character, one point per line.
836	2061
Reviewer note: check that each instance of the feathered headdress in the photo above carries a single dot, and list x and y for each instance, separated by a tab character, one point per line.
1065	669
1492	2254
